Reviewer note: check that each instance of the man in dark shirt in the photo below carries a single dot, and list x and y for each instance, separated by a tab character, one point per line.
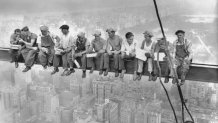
81	48
29	49
14	40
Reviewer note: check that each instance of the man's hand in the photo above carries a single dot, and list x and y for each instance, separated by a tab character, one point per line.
78	54
34	48
133	54
110	52
21	40
187	59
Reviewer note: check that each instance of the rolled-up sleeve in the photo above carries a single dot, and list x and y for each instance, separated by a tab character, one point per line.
174	49
123	48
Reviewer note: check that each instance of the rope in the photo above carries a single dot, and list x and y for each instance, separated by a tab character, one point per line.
159	68
174	71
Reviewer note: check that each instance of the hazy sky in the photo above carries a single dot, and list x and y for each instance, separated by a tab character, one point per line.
30	6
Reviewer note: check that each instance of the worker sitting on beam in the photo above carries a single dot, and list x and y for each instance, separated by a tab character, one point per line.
182	55
46	43
98	44
14	41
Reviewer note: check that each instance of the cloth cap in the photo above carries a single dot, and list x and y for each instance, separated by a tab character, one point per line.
81	34
148	33
64	27
44	28
110	30
97	33
179	31
25	28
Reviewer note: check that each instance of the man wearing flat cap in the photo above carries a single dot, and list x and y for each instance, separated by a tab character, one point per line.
182	54
46	44
114	44
29	49
148	46
98	44
81	49
63	50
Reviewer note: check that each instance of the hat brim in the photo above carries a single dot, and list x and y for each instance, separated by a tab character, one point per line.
179	31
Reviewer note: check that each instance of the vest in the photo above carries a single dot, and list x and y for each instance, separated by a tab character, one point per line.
28	37
147	47
47	41
181	50
81	45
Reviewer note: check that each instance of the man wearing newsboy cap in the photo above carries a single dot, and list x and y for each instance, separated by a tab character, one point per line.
114	43
98	45
46	44
64	51
182	54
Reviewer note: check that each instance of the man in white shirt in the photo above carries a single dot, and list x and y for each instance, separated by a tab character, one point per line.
128	52
64	52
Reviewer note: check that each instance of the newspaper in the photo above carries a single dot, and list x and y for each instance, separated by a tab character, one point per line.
140	54
90	55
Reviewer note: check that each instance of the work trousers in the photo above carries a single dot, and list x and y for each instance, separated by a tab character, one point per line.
117	61
66	59
130	57
183	66
101	61
15	54
45	58
29	56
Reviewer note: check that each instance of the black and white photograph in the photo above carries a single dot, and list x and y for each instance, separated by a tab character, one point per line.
108	61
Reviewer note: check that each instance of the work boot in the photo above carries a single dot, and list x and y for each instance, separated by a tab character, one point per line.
70	71
26	69
16	65
122	73
174	81
49	64
150	77
92	70
84	74
101	72
116	73
166	80
182	82
106	72
11	61
154	78
55	71
183	78
135	76
64	72
140	76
